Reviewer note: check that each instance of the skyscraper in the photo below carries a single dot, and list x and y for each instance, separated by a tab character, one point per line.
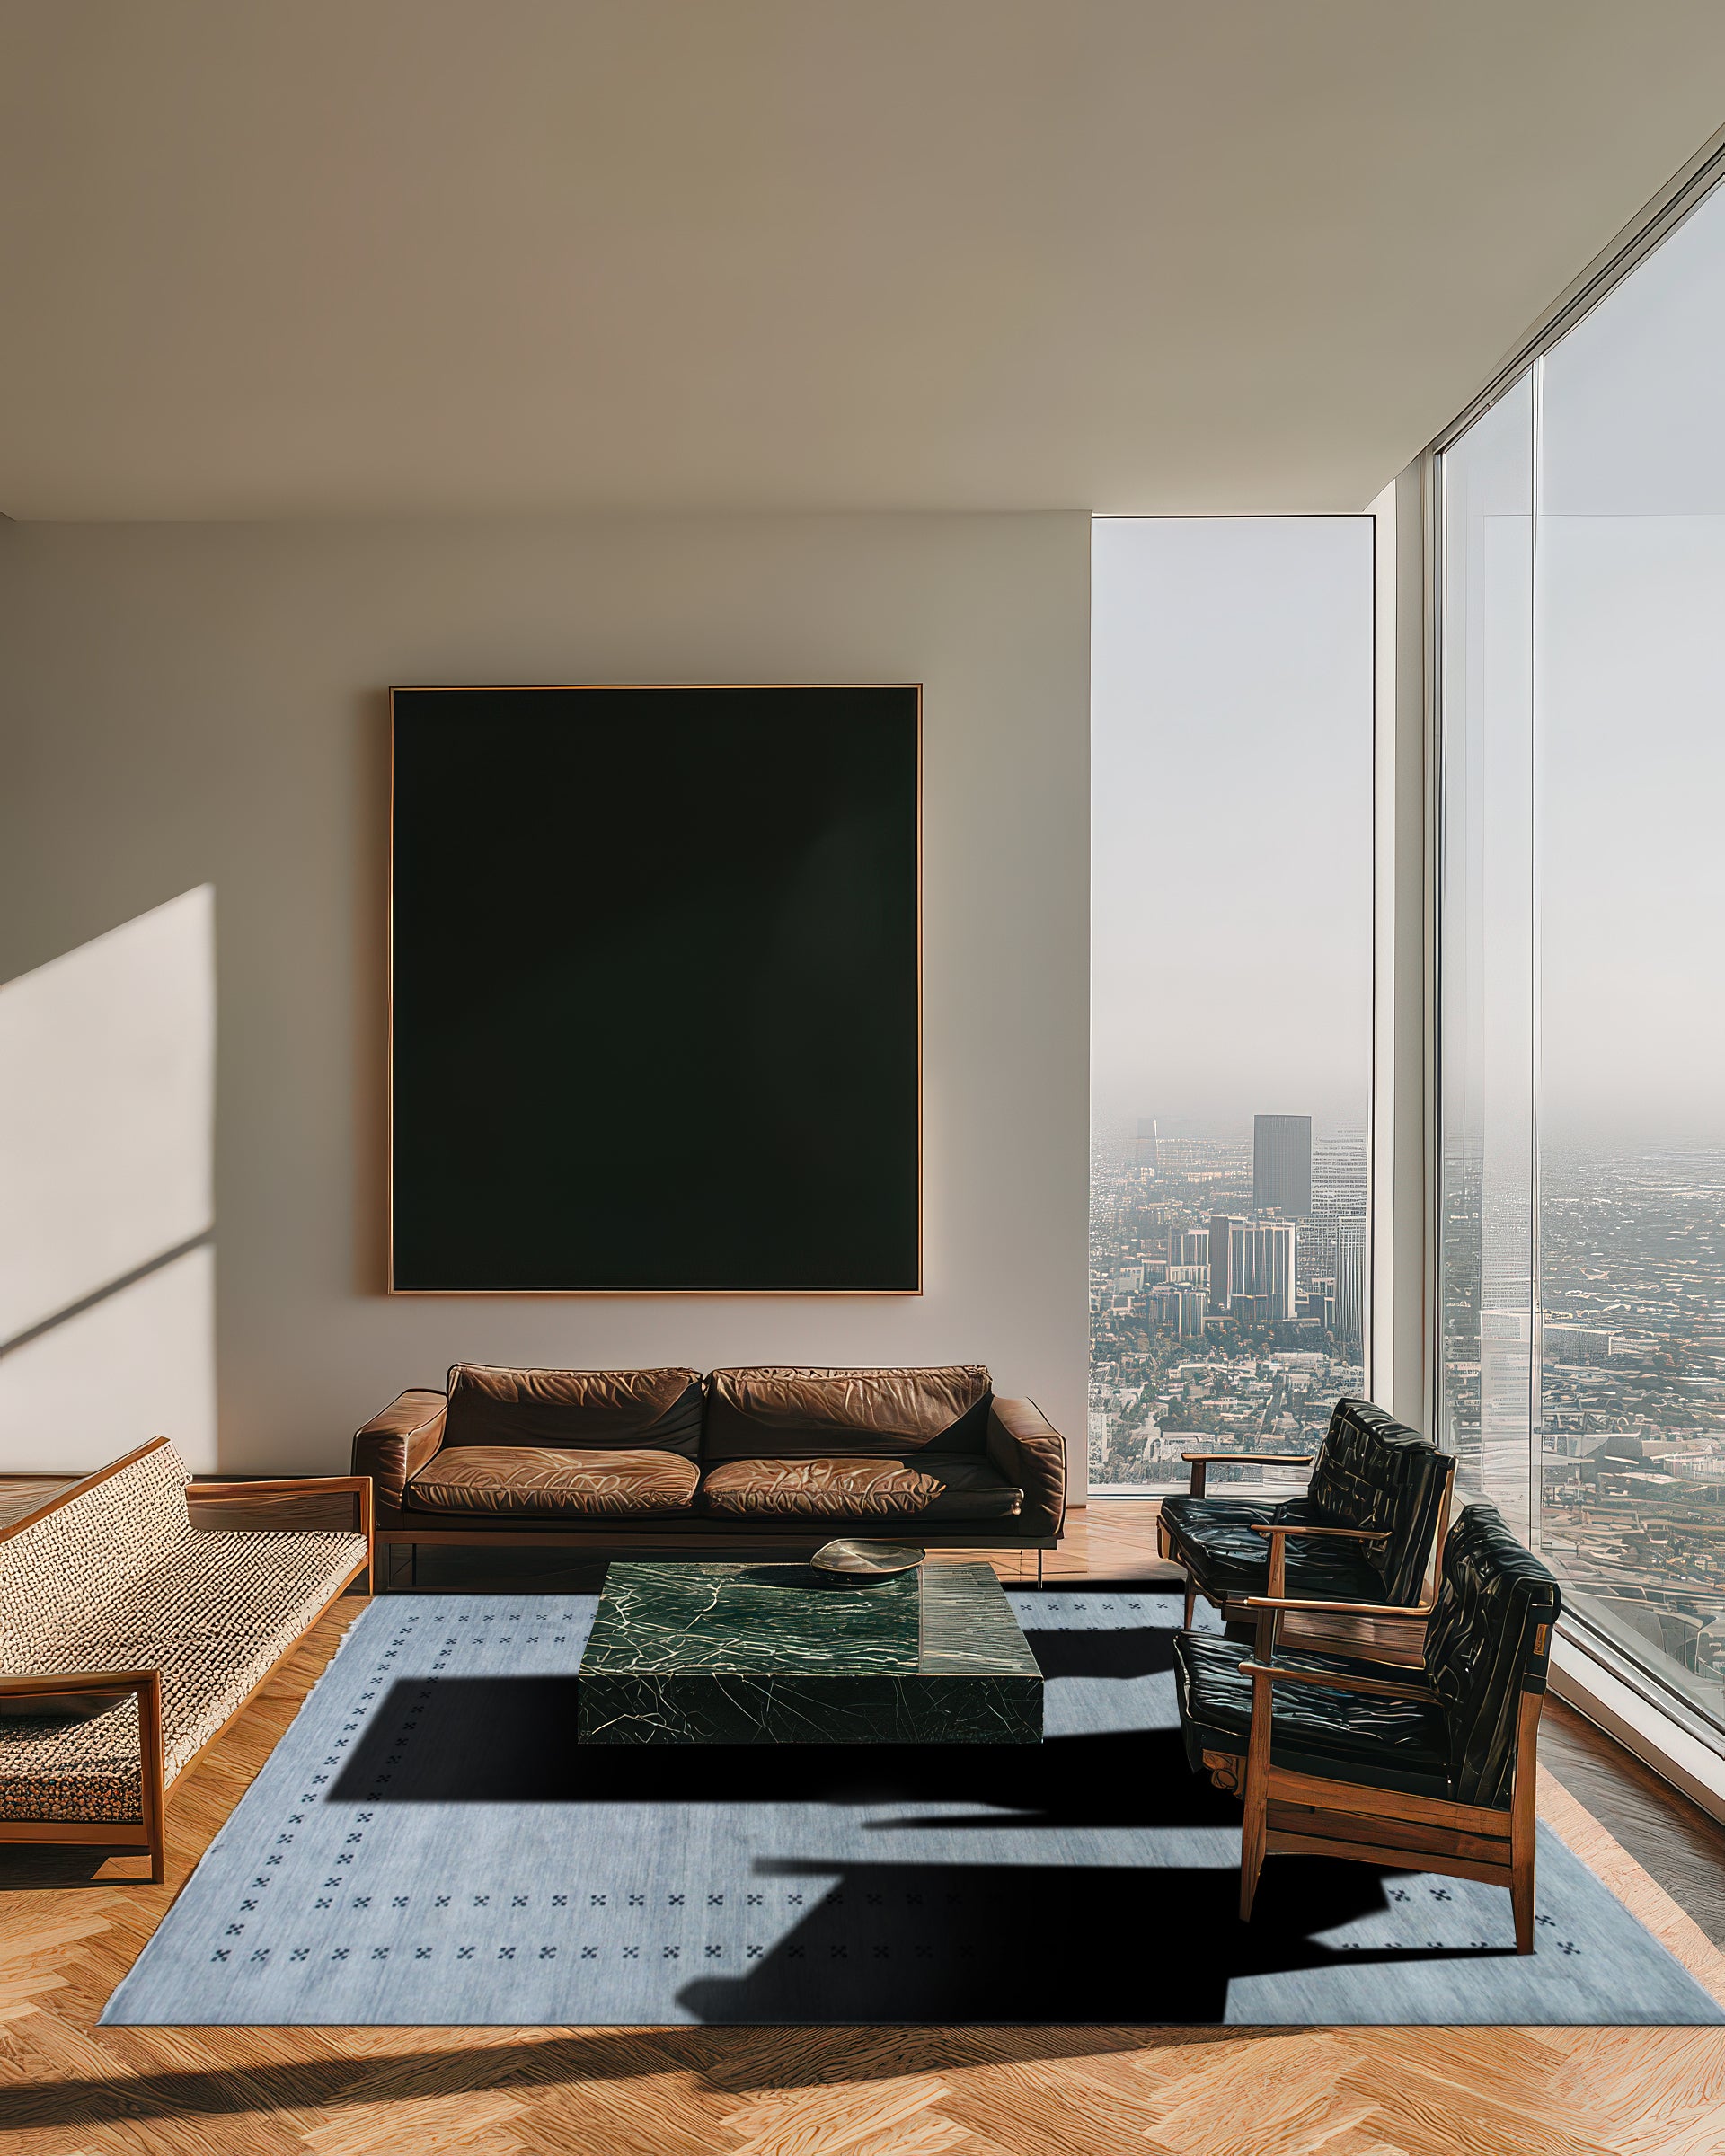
1339	1175
1264	1266
1281	1164
1144	1145
1350	1281
1224	1229
1339	1193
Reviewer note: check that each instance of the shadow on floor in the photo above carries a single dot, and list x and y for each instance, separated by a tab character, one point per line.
732	2062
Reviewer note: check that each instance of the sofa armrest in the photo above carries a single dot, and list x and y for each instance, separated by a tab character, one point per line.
396	1445
1025	1447
308	1505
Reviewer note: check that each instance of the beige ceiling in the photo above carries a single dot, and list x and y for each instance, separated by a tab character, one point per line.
291	257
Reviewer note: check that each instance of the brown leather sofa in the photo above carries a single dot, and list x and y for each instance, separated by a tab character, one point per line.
655	1461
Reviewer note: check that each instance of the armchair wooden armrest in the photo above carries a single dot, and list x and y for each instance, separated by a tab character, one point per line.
1345	1535
1279	1545
1404	1611
44	1689
1200	1462
1336	1681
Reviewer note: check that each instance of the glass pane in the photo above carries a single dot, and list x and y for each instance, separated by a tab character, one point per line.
1630	668
1486	1011
1231	985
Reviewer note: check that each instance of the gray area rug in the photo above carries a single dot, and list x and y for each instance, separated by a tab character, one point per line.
428	1844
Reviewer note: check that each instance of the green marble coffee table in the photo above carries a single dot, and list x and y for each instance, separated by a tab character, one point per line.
767	1654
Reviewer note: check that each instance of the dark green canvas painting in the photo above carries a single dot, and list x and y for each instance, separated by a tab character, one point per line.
655	1002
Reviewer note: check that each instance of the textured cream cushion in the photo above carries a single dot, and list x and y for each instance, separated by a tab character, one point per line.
119	1579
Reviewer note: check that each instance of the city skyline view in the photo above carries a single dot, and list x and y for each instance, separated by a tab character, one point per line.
1231	984
1220	1316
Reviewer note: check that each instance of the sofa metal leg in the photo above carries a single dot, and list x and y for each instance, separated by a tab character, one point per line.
412	1564
1038	1568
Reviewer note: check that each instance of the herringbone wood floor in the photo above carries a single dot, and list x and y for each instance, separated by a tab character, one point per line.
70	1926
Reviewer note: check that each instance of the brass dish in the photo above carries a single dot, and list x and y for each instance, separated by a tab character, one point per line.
860	1564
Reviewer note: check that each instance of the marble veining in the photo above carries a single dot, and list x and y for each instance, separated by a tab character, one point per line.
710	1653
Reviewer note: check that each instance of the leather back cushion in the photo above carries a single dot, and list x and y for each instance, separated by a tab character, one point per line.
587	1409
786	1414
1489	1639
1374	1471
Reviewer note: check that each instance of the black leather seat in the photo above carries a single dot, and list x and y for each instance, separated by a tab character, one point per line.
1400	1743
1372	1473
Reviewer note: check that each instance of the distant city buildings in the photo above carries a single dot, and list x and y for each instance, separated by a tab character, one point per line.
1588	1402
1581	1343
1217	1309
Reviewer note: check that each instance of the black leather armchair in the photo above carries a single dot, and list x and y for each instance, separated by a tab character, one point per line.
1431	1768
1363	1529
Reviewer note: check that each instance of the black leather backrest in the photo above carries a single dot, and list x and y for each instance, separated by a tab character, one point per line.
1374	1471
1488	1640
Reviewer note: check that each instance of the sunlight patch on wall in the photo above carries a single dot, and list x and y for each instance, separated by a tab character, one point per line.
107	1278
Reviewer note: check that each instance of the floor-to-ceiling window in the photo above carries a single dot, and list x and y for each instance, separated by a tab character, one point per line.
1581	681
1232	892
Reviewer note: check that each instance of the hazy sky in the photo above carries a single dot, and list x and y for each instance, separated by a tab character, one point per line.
1600	670
1232	709
1230	895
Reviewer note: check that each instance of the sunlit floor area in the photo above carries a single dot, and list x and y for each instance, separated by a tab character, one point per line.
71	1925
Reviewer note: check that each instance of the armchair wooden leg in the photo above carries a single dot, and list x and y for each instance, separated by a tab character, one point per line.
1523	1819
1521	1899
1255	1827
1191	1601
1252	1834
150	1776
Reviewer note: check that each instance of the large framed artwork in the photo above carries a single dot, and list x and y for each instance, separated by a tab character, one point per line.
655	990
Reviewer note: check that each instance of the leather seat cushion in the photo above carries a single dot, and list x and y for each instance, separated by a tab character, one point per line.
553	1478
1348	1736
1213	1538
933	1486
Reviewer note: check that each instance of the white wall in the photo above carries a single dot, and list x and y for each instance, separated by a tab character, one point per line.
185	705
